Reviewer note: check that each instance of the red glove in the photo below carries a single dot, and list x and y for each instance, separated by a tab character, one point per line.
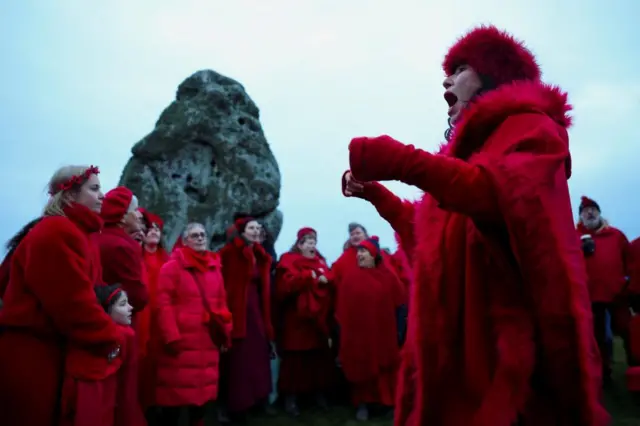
379	158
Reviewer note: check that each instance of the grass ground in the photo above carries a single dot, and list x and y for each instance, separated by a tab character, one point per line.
622	406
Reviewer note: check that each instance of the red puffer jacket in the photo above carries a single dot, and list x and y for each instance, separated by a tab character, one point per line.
188	362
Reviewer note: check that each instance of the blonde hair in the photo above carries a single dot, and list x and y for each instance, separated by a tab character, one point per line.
58	200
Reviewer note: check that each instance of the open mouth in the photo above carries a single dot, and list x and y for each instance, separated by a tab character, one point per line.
450	98
312	251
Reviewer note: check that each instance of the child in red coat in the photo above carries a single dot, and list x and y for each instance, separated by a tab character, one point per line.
97	390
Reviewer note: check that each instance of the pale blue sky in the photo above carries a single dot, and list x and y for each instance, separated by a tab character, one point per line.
82	81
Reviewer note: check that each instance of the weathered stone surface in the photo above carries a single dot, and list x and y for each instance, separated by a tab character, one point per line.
206	159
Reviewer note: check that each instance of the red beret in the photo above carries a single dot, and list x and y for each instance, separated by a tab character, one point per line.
115	205
306	231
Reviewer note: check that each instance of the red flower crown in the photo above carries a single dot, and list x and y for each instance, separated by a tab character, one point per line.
75	180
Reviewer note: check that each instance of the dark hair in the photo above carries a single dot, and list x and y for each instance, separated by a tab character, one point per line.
103	292
13	243
355	225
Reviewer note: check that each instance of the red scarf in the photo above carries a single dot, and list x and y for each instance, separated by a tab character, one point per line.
199	260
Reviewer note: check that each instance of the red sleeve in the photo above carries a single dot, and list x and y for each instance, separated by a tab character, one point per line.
221	310
166	293
129	267
397	212
633	265
57	273
626	254
456	184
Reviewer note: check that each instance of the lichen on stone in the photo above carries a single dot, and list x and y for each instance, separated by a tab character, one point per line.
206	159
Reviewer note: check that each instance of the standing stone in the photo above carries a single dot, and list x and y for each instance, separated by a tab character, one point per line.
206	159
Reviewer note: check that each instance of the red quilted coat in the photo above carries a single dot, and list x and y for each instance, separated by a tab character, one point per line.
188	373
500	325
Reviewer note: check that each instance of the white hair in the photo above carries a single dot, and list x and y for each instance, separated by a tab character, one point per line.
133	205
189	227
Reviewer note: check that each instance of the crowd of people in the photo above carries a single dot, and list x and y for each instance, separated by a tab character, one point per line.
493	310
102	325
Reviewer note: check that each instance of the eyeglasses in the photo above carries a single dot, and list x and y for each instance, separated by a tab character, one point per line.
196	235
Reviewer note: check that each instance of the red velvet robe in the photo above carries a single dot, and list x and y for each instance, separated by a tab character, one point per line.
366	305
500	320
50	303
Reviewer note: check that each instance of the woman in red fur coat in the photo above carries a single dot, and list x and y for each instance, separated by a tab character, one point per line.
500	319
154	257
246	268
95	388
49	302
366	304
303	305
195	326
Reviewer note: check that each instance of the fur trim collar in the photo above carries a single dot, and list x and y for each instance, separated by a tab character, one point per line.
489	110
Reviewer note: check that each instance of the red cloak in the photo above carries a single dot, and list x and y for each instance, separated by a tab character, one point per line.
366	312
500	321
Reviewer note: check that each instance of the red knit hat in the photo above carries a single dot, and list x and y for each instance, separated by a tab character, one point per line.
116	204
372	245
493	54
306	231
587	202
151	219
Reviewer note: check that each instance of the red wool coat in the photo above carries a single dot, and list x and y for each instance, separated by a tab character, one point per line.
121	258
303	302
238	262
190	376
50	304
100	392
607	266
366	305
500	301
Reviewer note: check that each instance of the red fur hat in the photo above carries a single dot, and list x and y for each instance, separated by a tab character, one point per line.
587	202
115	204
493	54
306	231
372	245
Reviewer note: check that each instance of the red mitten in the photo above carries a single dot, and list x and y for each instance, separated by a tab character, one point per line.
379	158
